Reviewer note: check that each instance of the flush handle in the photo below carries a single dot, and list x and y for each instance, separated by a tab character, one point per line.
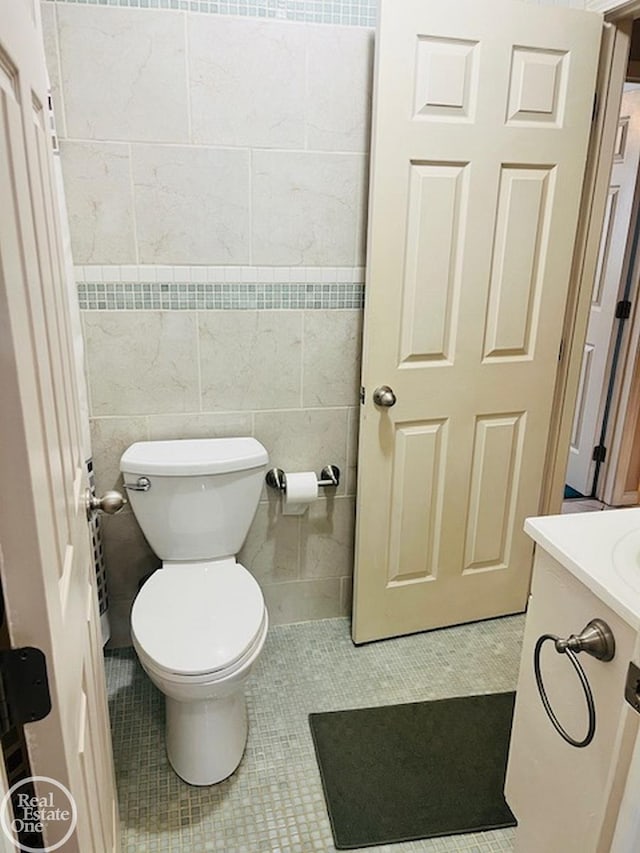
384	396
142	484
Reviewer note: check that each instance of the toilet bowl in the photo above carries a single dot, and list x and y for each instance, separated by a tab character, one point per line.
199	623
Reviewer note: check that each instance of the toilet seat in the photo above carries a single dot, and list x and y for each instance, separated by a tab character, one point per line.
199	621
206	678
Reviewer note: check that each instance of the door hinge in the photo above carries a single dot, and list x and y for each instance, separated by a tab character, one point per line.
53	135
632	686
623	309
596	105
599	453
362	394
24	687
561	351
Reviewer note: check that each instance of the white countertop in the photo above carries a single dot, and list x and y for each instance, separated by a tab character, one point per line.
584	544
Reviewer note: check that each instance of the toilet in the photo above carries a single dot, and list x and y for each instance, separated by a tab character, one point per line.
199	623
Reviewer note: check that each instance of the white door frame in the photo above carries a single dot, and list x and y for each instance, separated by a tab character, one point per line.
6	846
621	432
621	429
614	487
47	574
614	10
611	77
601	363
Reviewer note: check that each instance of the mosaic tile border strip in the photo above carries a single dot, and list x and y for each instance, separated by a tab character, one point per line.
222	296
355	13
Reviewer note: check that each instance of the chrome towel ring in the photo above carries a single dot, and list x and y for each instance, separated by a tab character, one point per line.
597	640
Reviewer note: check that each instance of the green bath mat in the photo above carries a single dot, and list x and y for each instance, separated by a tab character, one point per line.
421	770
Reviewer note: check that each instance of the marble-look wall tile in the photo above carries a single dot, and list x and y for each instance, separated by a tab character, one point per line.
119	622
300	601
346	595
110	437
128	556
99	201
353	429
180	190
50	40
206	425
339	85
306	207
250	359
271	550
141	362
363	218
331	369
191	205
123	73
572	4
326	544
247	82
304	440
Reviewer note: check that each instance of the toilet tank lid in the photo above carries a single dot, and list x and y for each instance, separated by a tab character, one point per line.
195	456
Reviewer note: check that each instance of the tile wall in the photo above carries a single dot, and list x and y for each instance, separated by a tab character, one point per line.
215	160
215	172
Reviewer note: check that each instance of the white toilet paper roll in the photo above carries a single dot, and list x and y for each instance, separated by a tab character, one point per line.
301	490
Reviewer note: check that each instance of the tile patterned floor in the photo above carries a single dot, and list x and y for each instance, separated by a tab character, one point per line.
274	801
583	505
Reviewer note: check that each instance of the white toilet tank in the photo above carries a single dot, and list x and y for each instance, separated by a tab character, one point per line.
202	495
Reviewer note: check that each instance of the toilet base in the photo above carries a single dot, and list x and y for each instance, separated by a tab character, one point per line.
206	739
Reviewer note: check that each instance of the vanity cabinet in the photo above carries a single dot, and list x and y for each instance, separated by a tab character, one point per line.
566	799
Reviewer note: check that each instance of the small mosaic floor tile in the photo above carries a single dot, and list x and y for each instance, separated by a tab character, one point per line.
274	802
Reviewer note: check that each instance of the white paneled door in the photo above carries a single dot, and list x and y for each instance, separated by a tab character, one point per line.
45	563
607	290
482	113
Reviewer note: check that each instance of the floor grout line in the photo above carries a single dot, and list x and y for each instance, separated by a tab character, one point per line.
274	802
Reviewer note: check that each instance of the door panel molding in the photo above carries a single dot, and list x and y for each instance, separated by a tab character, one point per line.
435	237
418	468
479	143
497	460
45	560
521	240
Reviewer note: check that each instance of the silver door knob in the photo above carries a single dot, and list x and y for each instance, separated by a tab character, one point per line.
384	396
110	503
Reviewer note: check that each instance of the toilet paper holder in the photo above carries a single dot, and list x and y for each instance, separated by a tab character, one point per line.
329	477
